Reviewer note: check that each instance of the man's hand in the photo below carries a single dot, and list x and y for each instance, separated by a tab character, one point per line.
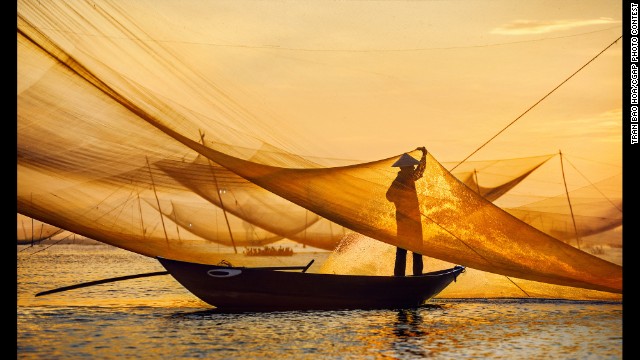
423	149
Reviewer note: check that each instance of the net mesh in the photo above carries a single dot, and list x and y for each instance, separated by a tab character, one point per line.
122	140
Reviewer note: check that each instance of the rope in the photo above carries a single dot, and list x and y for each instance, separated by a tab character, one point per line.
157	201
472	249
224	212
33	253
592	184
538	102
566	190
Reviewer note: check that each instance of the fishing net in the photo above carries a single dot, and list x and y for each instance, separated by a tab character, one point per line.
126	141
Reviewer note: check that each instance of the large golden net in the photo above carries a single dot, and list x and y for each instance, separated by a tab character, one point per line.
123	140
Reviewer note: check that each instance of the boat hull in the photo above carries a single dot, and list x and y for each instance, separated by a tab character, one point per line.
254	289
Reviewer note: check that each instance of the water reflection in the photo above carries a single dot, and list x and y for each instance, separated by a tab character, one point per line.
411	333
408	324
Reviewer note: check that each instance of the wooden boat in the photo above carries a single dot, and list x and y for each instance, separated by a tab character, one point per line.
237	289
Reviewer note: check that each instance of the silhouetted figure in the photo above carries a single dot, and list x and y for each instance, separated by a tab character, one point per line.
402	193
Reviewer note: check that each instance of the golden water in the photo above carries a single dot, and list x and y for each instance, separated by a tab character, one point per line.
155	318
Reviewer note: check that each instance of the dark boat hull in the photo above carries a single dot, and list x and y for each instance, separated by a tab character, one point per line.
255	289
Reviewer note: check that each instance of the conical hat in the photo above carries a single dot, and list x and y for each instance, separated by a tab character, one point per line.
406	160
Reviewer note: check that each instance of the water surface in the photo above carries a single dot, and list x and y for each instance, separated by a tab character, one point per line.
156	318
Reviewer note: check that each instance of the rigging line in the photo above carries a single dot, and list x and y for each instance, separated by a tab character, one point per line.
468	246
64	238
31	219
24	230
617	166
125	202
538	102
593	185
224	212
472	249
115	191
26	248
244	216
475	173
566	190
306	224
157	201
302	49
114	208
175	219
31	246
388	50
41	230
141	219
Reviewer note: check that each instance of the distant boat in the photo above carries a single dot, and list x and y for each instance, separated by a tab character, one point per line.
238	289
269	251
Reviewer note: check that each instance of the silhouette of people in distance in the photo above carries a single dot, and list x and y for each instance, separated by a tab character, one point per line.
402	193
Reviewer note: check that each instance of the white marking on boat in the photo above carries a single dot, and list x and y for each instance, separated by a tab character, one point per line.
224	272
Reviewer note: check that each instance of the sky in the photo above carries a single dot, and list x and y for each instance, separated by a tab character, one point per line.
371	79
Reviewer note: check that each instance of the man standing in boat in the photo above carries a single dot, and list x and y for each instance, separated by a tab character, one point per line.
402	193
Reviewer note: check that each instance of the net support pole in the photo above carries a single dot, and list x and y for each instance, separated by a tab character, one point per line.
157	201
31	220
144	232
475	174
215	180
175	219
573	219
